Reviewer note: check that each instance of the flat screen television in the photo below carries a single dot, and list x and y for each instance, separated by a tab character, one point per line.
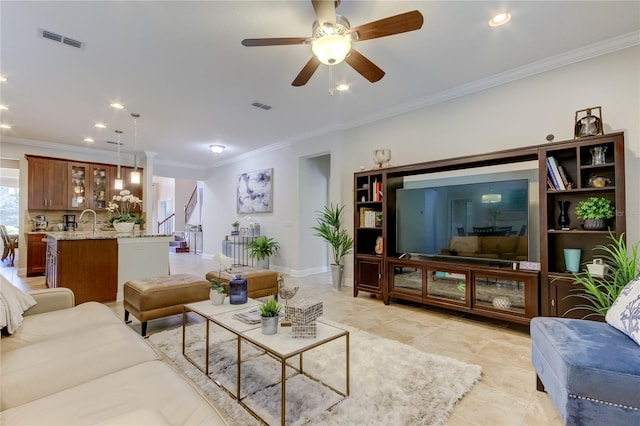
450	217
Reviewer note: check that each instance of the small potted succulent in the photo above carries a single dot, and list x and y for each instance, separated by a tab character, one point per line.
218	292
594	211
269	312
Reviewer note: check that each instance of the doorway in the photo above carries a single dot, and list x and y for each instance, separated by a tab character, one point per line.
315	173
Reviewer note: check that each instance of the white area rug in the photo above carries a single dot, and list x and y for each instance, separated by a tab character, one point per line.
391	383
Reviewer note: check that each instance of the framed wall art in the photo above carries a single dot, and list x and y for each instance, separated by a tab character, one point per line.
254	193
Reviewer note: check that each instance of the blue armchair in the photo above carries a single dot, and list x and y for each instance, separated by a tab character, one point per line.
590	370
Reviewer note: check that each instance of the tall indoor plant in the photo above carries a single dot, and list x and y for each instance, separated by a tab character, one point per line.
261	249
330	229
599	293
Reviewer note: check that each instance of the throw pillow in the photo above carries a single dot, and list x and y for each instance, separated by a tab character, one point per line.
13	303
624	313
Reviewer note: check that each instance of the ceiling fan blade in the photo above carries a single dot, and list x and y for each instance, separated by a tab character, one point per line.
253	42
325	11
306	73
365	67
397	24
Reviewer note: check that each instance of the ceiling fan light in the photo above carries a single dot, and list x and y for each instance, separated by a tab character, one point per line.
331	49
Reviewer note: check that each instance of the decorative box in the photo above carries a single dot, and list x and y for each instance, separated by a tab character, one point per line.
303	331
303	312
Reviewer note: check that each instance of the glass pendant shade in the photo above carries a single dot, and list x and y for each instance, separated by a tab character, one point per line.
118	184
135	177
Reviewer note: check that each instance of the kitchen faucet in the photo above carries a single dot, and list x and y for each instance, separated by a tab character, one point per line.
95	219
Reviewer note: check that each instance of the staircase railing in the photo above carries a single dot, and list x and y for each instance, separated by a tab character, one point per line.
166	226
191	205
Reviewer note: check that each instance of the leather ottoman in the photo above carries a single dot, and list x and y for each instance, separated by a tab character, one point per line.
260	282
158	297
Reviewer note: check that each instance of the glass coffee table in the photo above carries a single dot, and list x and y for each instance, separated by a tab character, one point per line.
280	346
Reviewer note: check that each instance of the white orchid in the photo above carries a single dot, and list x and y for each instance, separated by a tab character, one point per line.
120	206
225	262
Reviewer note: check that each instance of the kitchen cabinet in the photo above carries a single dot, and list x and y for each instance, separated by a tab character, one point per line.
47	184
36	254
79	186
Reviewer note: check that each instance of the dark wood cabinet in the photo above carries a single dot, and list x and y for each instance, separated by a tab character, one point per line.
487	288
47	184
56	184
36	254
587	176
88	267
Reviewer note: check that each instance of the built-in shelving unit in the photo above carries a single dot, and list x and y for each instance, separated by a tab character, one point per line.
494	289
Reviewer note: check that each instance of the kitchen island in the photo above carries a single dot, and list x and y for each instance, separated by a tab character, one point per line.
95	265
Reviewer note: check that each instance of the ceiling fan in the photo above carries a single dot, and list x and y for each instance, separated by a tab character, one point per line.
332	38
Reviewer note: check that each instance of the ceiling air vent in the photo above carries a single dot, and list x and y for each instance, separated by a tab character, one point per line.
60	39
263	106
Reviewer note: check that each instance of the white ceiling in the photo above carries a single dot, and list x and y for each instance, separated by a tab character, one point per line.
181	66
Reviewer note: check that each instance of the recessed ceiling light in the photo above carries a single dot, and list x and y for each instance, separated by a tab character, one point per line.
4	107
88	140
3	78
342	87
101	125
4	126
500	19
117	105
217	148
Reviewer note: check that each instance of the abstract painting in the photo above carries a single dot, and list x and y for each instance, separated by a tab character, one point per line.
255	192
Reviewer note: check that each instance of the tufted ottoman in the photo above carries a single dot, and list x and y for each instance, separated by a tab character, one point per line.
260	282
158	297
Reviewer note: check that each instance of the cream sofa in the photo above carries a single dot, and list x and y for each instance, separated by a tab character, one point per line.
80	365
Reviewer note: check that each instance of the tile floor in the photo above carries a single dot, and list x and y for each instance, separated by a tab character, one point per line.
506	393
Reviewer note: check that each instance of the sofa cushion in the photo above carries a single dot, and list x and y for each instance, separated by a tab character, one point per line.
591	359
152	385
50	325
469	244
624	314
499	245
13	303
53	365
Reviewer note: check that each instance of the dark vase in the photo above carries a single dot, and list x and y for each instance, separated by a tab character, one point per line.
238	290
563	219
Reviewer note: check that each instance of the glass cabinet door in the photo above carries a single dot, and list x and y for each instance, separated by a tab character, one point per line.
100	190
79	186
448	285
406	279
500	293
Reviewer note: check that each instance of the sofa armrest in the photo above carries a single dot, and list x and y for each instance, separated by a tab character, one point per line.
51	299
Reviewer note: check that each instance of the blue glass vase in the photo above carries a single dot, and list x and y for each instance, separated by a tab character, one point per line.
238	290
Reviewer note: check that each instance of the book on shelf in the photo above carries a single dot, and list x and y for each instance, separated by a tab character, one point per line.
370	219
377	190
563	175
552	168
363	216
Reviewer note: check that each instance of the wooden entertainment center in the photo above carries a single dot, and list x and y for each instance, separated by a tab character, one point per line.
500	289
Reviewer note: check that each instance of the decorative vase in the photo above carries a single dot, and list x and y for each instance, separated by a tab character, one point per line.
123	227
572	260
216	297
563	219
336	276
594	224
598	155
238	290
269	325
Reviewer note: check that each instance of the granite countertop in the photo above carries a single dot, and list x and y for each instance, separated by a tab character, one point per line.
99	235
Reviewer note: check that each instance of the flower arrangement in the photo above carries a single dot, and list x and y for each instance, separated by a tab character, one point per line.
224	262
121	205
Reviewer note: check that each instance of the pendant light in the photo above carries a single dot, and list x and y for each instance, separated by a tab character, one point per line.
118	184
135	174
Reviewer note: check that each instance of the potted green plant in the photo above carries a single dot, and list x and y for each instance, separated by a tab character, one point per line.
594	211
600	292
261	249
330	229
269	312
235	226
